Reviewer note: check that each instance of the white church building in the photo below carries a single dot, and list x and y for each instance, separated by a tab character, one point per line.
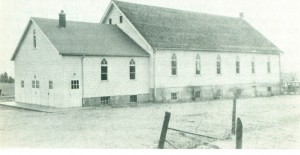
140	53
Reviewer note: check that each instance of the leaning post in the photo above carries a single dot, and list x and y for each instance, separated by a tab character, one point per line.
164	130
239	134
233	117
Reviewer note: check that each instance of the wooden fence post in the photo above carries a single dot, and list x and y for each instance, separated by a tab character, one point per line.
239	134
164	130
233	116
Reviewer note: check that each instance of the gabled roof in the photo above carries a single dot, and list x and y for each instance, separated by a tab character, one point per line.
165	28
89	39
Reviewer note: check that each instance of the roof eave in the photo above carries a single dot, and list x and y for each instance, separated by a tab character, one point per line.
102	55
215	50
21	40
106	11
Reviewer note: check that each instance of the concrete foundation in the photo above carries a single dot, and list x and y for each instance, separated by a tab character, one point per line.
185	94
115	100
216	92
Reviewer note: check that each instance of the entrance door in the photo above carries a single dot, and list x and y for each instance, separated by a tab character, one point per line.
50	102
21	95
75	94
35	92
254	91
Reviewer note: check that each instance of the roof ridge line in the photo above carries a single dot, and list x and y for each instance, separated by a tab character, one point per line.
67	20
180	10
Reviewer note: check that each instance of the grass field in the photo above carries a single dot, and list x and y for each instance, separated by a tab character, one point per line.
8	89
272	122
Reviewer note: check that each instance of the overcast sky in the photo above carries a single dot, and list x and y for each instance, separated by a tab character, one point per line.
276	19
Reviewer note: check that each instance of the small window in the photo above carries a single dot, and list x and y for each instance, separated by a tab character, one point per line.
237	65
37	84
269	65
133	99
174	96
75	84
253	65
110	21
33	84
34	39
121	19
219	65
174	65
105	100
50	84
269	89
198	94
198	65
104	70
22	84
132	70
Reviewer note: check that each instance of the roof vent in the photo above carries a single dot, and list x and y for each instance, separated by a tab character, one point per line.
242	15
62	19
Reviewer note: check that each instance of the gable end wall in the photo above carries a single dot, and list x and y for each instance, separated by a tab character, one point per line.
45	63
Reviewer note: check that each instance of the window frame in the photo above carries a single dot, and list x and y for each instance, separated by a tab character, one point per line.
37	84
174	96
75	84
104	70
174	65
22	84
50	84
269	65
198	94
121	19
253	65
34	39
237	65
132	70
33	84
219	65
269	89
198	65
105	100
133	98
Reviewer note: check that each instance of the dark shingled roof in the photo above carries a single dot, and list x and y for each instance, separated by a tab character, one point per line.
176	29
90	39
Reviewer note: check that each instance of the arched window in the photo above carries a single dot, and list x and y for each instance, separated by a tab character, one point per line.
219	65
104	70
132	70
237	65
253	65
174	65
269	65
198	65
34	39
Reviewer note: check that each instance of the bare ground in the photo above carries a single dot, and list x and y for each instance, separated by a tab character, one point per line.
272	122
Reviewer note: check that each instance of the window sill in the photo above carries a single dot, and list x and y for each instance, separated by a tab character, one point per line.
219	75
174	76
104	81
199	75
